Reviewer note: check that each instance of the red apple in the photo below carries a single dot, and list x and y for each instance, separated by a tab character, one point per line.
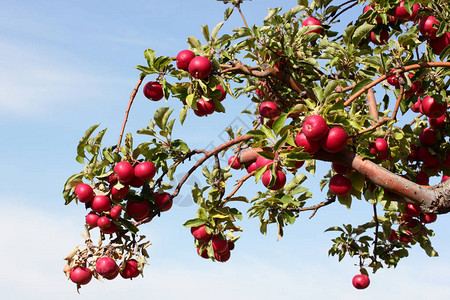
200	67
378	19
162	201
428	218
109	230
429	26
428	136
361	281
383	38
91	219
335	140
115	212
136	182
153	90
204	253
224	94
138	210
103	222
130	270
80	275
219	245
279	183
401	12
433	109
124	171
84	192
440	43
437	122
446	161
204	107
313	21
416	107
444	178
234	163
425	155
199	233
315	128
222	257
413	210
393	79
145	170
340	185
406	237
339	168
120	194
261	161
310	147
379	148
422	178
269	109
393	236
101	203
107	267
184	57
252	167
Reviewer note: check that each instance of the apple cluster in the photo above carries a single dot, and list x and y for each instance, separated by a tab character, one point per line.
208	244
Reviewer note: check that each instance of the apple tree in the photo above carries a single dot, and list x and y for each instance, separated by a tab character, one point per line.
370	98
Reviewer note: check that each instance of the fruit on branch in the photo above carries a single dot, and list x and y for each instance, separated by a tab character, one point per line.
413	210
339	168
204	107
103	222
138	210
378	19
437	123
310	147
340	185
313	21
230	245
200	233
428	27
400	11
107	267
444	178
91	219
252	167
162	201
428	136
115	212
393	236
425	155
428	218
120	194
393	79
269	109
335	140
361	281
234	162
406	237
382	39
422	178
222	257
224	94
130	270
315	128
440	43
80	275
432	108
446	161
417	106
219	245
145	170
415	89
124	171
109	230
101	203
204	253
280	180
262	161
184	57
136	182
153	90
379	148
200	67
84	192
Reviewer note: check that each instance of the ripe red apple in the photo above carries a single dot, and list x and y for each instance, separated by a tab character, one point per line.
261	161
428	136
310	147
315	128
425	155
115	212
130	270
415	87
136	182
107	267
428	218
230	245
234	163
413	210
124	171
153	90
138	210
422	178
222	257
204	253
200	67
361	281
199	233
433	109
393	236
101	203
184	57
112	178
161	200
440	43
219	245
429	26
84	192
335	140
145	170
252	167
279	183
437	123
204	107
406	237
80	275
120	194
109	230
383	38
416	107
379	148
393	80
444	178
103	222
91	219
340	185
269	109
339	168
446	161
378	19
401	12
224	94
313	21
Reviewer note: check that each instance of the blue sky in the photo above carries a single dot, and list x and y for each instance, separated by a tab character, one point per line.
66	65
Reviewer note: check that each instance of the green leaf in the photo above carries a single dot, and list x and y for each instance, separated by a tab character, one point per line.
279	123
267	132
129	225
194	222
195	44
345	200
149	56
216	30
161	116
360	85
84	140
330	88
256	133
361	32
239	198
205	31
228	13
183	113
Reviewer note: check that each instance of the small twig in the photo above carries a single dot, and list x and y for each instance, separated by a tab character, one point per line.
316	207
375	242
238	186
238	6
343	10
